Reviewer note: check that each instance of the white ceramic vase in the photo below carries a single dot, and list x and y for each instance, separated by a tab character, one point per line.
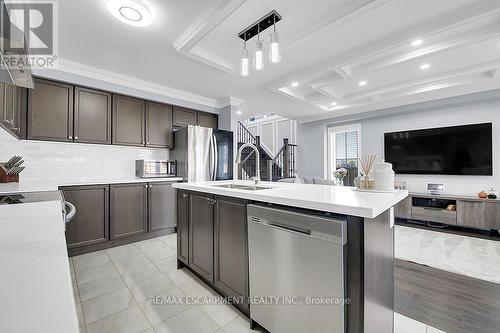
384	176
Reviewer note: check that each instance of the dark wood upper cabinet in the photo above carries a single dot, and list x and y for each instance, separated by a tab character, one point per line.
13	109
183	226
90	225
129	121
208	120
159	130
231	249
161	206
201	235
128	210
50	111
184	117
92	116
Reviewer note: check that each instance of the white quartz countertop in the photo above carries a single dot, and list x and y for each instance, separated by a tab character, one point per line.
40	185
327	198
35	281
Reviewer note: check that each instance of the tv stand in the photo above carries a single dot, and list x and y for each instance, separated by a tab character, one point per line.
451	210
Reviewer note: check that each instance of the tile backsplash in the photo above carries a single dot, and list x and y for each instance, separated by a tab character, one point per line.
67	162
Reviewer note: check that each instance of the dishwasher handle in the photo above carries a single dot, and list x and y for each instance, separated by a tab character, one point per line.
299	232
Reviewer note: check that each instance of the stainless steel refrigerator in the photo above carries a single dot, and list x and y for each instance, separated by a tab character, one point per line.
203	154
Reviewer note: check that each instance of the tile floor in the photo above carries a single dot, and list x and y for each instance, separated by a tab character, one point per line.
113	289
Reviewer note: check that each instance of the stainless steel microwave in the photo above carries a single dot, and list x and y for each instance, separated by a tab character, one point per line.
155	169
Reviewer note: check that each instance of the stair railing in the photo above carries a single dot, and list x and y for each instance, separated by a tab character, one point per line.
244	135
283	165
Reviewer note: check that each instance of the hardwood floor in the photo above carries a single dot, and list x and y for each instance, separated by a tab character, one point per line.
450	302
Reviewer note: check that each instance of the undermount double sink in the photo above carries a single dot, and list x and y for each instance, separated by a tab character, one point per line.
243	187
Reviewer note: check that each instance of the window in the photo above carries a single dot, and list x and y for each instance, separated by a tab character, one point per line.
343	151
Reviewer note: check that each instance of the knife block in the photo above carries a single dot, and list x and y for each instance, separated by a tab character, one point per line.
5	178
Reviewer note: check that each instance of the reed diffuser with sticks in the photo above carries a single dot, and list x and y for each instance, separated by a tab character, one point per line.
366	162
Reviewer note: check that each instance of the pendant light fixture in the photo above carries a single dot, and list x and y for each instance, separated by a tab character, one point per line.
244	62
254	30
258	60
274	47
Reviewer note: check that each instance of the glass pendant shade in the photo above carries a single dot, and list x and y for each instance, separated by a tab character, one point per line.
274	49
244	63
258	60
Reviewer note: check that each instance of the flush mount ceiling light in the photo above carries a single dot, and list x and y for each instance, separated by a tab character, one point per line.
333	104
425	66
134	12
417	42
362	83
294	84
253	30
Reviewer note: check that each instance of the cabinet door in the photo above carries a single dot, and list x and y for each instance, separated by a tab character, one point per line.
403	209
231	248
162	207
159	132
92	116
13	109
201	235
184	117
128	121
485	215
90	225
50	111
183	226
128	210
208	120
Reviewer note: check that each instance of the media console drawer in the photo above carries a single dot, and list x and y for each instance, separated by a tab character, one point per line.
434	215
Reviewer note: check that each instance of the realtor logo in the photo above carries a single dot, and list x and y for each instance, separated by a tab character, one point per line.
30	25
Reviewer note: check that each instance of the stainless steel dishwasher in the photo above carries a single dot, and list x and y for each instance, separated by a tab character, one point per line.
296	259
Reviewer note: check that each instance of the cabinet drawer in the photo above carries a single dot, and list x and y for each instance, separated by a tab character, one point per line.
434	215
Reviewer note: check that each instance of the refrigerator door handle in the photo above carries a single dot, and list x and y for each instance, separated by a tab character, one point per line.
212	156
216	158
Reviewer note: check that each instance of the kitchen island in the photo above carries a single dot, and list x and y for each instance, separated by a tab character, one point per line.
221	240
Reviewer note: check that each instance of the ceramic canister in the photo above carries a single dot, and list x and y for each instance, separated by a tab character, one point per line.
384	176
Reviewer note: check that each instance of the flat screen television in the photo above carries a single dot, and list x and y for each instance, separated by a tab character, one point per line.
457	150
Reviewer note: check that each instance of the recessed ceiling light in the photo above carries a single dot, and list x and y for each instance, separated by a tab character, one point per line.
238	113
294	84
333	103
425	66
417	42
362	83
134	12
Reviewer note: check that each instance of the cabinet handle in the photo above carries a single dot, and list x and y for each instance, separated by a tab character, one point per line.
145	186
184	195
212	201
70	137
76	138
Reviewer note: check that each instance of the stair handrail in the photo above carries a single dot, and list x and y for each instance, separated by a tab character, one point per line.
244	133
287	165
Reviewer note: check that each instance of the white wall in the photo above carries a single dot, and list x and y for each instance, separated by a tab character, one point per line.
312	156
272	131
68	162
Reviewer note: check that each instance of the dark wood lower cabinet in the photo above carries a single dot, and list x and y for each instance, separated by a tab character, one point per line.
114	215
231	249
217	232
128	210
161	206
201	235
183	226
90	224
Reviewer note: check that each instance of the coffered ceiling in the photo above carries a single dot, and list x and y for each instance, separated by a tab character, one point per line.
344	56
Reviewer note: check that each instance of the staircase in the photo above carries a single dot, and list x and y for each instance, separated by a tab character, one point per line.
272	168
